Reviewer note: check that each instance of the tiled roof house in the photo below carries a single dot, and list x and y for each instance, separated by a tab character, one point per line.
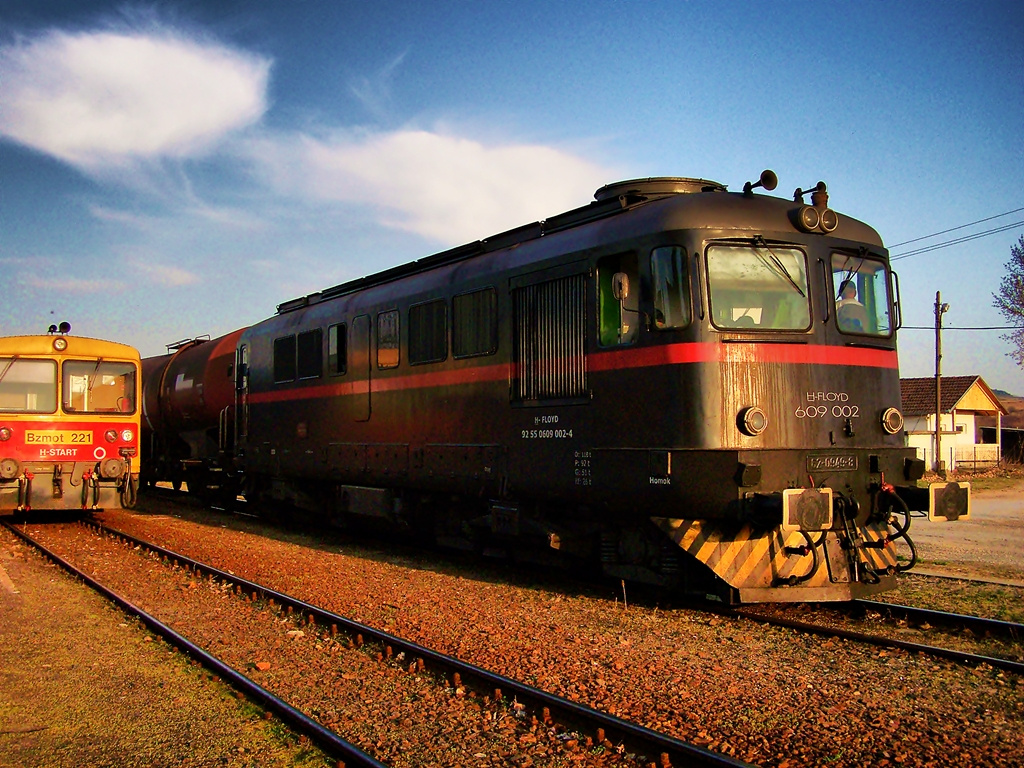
963	398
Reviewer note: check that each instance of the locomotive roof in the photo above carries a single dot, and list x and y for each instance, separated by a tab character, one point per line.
704	198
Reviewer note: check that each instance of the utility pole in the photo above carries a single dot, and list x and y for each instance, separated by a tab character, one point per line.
940	309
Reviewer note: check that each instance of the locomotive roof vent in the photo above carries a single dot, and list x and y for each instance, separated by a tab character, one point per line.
657	186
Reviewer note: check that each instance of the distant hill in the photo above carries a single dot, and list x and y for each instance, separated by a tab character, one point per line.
1001	394
1015	405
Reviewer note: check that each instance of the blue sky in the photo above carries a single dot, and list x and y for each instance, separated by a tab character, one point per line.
172	169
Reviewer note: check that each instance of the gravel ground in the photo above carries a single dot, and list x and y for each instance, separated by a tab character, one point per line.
82	685
768	696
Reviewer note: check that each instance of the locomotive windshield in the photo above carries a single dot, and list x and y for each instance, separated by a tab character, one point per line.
28	386
760	287
95	386
861	295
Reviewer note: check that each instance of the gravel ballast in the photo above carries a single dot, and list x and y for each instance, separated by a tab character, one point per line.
768	696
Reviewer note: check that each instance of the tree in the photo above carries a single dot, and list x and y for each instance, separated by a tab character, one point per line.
1009	300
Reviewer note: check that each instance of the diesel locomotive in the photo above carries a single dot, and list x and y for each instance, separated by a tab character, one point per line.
69	422
688	386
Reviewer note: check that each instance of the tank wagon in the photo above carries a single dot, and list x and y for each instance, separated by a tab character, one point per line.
187	413
692	387
69	422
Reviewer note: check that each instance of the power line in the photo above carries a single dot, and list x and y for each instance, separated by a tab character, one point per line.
963	328
955	241
954	229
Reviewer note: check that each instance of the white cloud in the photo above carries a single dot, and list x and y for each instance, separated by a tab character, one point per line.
98	98
128	106
447	188
161	274
374	92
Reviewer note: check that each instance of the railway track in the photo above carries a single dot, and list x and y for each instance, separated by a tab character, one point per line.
606	731
924	618
928	617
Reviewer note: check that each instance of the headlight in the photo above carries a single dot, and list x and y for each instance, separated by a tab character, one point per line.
110	435
892	421
5	433
127	435
752	421
809	218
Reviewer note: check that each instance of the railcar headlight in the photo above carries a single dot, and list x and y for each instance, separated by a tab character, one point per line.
5	433
892	421
752	421
110	435
127	435
60	344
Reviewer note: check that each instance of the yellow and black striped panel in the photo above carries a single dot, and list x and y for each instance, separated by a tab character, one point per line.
749	559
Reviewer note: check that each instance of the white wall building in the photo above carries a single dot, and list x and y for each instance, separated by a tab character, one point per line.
963	398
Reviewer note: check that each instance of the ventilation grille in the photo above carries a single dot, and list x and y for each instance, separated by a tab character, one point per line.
550	326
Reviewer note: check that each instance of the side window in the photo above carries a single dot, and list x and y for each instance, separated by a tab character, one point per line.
617	307
284	359
475	323
428	332
337	349
310	354
671	287
387	339
861	294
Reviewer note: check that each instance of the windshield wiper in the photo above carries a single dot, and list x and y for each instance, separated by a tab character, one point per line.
7	367
850	274
92	376
759	242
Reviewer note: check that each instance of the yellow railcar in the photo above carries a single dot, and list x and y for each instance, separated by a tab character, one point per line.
69	423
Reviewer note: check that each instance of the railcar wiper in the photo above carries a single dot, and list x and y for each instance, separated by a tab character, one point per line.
760	243
92	376
7	367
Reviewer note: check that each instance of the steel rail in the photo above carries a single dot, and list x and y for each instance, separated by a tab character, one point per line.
1008	629
634	737
961	657
327	739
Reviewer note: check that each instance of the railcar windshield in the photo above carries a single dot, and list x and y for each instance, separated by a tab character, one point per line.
861	295
759	287
97	386
28	386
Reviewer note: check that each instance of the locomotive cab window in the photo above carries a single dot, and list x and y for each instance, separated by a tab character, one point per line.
28	386
759	287
95	386
387	339
617	299
861	290
337	349
671	286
